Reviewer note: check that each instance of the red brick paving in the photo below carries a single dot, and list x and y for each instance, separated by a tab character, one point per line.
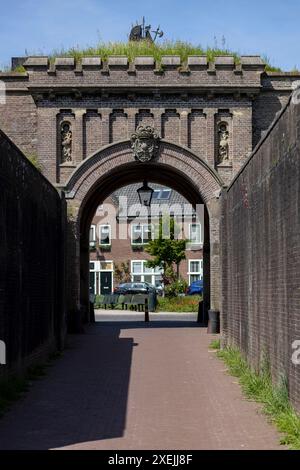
134	387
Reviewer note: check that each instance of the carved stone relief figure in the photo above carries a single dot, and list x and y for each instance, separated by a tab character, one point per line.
144	143
66	142
223	150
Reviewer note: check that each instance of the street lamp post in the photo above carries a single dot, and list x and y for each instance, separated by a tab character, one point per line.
145	196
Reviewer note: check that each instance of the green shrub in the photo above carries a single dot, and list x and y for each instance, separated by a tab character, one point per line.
19	69
215	344
34	160
97	301
178	304
175	288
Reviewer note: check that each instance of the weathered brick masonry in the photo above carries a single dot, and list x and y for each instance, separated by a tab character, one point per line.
77	118
105	101
260	240
31	261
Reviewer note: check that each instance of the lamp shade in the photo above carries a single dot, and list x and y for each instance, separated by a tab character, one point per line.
145	194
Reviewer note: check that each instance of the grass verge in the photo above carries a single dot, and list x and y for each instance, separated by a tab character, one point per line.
167	304
259	388
188	303
14	388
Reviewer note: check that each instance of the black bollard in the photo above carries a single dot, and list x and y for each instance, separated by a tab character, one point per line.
200	317
146	310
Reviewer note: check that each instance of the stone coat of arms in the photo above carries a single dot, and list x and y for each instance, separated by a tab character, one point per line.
144	143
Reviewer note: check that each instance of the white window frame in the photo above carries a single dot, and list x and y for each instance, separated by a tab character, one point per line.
154	275
200	242
195	273
95	270
133	242
93	229
159	193
109	231
131	268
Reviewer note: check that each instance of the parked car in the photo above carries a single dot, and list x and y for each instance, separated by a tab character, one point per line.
135	288
195	288
159	290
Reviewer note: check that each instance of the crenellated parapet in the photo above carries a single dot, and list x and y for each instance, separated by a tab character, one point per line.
195	74
144	73
166	62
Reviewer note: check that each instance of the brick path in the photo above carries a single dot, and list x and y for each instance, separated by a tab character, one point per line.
131	386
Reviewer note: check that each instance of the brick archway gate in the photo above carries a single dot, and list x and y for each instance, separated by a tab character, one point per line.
114	166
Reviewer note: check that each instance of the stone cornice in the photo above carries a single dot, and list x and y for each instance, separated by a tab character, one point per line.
60	90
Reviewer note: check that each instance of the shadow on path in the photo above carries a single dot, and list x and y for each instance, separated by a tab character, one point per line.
82	398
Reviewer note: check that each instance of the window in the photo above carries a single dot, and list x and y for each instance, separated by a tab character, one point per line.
136	266
99	210
165	194
195	270
136	234
140	234
141	273
104	237
195	266
93	235
106	265
146	233
195	233
161	194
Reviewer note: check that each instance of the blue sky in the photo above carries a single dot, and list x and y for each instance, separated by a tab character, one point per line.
249	26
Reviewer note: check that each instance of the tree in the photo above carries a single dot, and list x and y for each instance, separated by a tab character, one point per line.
166	248
122	272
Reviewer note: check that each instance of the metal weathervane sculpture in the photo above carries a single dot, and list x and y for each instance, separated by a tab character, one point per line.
141	32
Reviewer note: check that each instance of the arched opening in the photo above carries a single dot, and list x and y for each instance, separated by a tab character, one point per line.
104	189
114	167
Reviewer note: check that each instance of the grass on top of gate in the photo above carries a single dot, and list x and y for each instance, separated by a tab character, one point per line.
132	49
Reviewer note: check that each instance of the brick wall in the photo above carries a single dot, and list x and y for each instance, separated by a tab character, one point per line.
260	240
18	119
190	123
31	284
92	133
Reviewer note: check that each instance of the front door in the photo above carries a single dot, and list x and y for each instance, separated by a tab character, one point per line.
92	282
105	282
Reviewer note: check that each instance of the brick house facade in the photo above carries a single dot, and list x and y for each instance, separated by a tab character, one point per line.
117	238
